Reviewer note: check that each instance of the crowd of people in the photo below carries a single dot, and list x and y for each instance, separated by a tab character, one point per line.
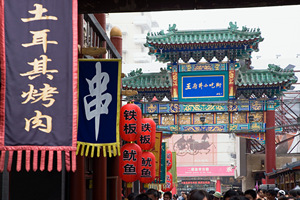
251	194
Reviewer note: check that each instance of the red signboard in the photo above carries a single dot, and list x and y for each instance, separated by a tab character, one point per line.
196	182
205	171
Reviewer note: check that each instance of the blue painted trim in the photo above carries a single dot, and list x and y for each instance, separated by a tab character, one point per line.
205	74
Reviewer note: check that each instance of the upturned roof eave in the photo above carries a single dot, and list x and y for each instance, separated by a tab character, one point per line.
153	43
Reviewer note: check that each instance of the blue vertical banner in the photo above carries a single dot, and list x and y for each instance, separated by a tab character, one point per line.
38	60
99	107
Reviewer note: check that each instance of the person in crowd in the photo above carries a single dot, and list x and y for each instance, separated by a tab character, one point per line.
167	196
160	196
271	195
250	194
152	194
175	196
285	198
238	198
211	194
276	190
183	196
131	196
298	194
280	193
217	196
230	193
142	196
198	195
293	193
261	194
240	192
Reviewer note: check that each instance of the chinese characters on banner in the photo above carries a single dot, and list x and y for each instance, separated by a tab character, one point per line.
99	106
168	186
169	159
203	86
38	59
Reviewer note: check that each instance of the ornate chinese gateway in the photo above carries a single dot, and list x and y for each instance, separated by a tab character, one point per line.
209	83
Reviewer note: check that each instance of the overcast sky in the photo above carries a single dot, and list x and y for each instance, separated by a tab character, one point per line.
280	28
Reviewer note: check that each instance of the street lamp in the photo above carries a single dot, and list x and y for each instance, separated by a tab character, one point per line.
251	118
202	119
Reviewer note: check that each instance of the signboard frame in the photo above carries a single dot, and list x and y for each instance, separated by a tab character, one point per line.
199	75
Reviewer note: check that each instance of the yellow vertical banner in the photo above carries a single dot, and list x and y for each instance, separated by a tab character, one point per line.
157	153
173	170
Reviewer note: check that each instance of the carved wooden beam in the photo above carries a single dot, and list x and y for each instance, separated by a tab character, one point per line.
93	51
129	92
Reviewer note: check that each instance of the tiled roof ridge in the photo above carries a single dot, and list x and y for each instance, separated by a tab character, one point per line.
194	32
148	80
272	75
229	30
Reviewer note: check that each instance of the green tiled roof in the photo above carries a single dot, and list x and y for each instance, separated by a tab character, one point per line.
274	75
207	44
232	34
143	81
271	82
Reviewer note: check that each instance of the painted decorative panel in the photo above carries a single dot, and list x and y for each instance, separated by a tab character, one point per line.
202	67
184	119
257	116
209	118
202	107
238	128
253	106
168	119
222	118
239	117
257	105
154	117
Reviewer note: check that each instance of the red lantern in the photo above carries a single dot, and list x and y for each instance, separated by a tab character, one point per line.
146	139
169	183
130	122
148	167
169	160
130	162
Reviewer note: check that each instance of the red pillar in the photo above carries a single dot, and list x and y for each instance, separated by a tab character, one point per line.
100	178
77	178
101	18
218	185
80	30
270	142
115	180
77	181
116	39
